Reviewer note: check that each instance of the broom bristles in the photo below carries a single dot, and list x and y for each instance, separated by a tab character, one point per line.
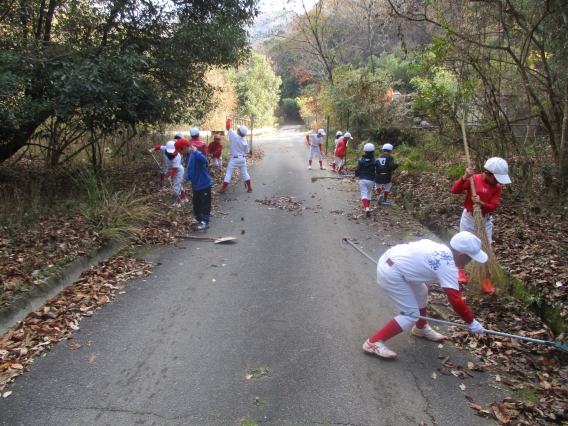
490	270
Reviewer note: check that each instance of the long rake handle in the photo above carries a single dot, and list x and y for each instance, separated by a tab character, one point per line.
466	148
498	333
345	240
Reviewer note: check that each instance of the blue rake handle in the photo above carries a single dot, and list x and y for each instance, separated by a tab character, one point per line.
563	346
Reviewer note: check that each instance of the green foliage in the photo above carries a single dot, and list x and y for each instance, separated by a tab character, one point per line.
290	109
113	64
393	135
258	90
455	171
114	214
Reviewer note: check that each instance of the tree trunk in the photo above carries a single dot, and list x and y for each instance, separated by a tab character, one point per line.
13	143
563	161
49	20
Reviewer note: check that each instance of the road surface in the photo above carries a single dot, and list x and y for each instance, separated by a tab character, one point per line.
266	330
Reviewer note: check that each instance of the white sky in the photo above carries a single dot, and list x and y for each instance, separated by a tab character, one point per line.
278	5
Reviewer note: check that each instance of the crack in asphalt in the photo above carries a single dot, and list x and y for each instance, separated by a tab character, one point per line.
416	382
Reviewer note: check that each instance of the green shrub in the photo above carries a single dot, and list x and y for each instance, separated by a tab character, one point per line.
113	214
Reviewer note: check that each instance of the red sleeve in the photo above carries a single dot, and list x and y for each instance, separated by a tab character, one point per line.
460	186
228	124
320	148
308	138
174	171
459	306
157	147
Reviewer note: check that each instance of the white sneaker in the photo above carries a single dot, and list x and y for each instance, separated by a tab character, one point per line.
195	222
379	349
427	332
309	167
368	212
203	226
184	200
176	205
322	168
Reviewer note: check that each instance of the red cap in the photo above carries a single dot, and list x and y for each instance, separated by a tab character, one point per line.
180	144
217	136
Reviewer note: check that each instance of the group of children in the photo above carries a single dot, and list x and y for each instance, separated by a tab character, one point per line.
374	173
194	155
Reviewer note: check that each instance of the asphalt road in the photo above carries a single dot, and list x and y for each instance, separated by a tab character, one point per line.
266	330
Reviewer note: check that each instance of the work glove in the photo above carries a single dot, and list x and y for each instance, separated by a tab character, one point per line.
476	328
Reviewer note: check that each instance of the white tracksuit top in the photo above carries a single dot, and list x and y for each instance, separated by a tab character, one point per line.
237	144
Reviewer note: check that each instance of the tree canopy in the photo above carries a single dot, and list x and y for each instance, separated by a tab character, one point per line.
100	66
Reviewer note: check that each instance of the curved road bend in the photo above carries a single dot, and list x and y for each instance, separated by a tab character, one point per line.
288	304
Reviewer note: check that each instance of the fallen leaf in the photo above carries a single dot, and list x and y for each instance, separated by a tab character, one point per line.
433	376
440	346
501	413
462	387
6	394
92	358
17	366
497	378
248	376
213	280
475	406
75	346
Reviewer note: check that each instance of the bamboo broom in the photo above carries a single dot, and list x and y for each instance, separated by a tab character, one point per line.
482	274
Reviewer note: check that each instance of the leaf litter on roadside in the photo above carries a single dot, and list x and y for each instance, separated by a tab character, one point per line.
61	315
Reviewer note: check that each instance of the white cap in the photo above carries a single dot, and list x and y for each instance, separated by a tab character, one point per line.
466	242
178	136
387	146
347	135
242	129
499	168
321	132
170	146
194	131
339	133
369	147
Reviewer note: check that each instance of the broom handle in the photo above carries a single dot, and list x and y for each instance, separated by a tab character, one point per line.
466	148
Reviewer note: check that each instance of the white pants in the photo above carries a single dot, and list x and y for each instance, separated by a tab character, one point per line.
237	163
339	161
407	297
467	223
384	186
217	162
176	180
366	187
315	149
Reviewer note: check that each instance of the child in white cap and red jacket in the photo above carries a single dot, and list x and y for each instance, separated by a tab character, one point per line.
402	273
488	194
